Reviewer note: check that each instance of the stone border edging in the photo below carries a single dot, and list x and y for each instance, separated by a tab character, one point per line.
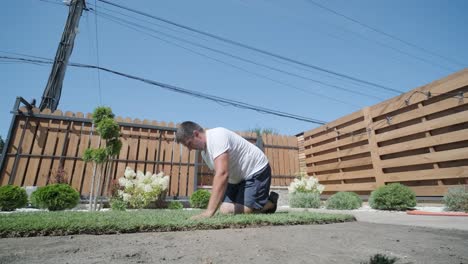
418	212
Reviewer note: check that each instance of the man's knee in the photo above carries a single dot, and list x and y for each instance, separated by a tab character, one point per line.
227	208
234	208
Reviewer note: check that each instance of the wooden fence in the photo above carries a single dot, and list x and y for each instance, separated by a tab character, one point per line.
419	139
44	145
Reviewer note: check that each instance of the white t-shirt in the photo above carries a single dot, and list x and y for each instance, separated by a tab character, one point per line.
245	159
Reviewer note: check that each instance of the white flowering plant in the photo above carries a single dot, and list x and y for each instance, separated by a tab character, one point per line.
139	189
306	184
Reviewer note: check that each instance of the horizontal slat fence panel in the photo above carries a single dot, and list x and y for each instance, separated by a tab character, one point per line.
434	157
433	174
353	139
426	126
341	165
346	175
419	139
341	154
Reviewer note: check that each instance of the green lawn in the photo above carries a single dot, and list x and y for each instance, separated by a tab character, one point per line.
23	224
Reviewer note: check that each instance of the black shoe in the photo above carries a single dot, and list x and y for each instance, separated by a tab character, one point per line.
274	199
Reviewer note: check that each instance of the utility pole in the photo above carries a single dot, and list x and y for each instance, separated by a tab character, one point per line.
53	90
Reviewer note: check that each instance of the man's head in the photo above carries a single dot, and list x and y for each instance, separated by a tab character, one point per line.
191	135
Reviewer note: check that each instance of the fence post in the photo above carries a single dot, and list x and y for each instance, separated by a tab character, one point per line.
9	136
374	148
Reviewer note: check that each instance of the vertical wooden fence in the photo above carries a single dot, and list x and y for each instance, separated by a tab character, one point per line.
419	139
44	145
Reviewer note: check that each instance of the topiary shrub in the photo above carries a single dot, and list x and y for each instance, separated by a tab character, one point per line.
55	197
177	205
456	199
344	201
12	197
200	199
304	200
394	196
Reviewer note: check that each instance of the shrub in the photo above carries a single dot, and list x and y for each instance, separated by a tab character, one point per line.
175	205
12	197
305	184
59	176
200	199
139	189
394	196
344	201
381	259
456	199
101	113
55	197
304	200
118	204
108	128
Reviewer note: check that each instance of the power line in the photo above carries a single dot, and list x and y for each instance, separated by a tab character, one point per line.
53	2
152	23
235	66
173	88
236	43
197	36
383	44
111	17
386	34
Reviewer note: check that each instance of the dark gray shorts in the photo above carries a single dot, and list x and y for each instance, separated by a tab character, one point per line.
253	192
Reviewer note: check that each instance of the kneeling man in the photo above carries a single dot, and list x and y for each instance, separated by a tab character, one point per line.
241	183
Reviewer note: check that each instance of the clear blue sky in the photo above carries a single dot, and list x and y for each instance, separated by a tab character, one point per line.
296	29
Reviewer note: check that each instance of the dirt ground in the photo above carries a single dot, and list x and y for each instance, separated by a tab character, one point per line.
352	242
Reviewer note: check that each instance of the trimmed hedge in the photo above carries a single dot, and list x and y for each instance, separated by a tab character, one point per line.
394	196
304	200
12	197
55	197
344	201
456	199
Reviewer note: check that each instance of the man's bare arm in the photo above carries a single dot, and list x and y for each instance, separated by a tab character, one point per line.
220	181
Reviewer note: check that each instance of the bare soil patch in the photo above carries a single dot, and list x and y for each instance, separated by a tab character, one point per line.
352	242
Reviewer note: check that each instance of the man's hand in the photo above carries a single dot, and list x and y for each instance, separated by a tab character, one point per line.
205	214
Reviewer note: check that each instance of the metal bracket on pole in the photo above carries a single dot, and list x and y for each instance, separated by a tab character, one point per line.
389	120
460	97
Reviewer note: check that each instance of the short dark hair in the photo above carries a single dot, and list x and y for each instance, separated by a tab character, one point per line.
185	130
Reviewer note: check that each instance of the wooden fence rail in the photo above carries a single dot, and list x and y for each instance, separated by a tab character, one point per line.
419	139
